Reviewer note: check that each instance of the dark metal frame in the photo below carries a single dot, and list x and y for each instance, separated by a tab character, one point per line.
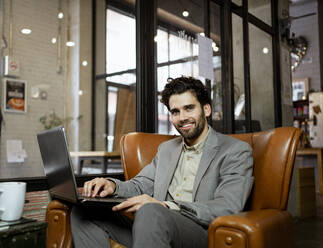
146	86
146	113
228	94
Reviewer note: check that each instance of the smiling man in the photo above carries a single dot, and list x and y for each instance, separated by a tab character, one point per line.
192	180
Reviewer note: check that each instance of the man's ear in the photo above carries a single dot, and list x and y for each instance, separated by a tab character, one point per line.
207	110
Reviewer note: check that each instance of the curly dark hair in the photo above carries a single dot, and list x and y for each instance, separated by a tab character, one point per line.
182	84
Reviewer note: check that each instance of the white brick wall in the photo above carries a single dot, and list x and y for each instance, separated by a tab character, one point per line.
38	58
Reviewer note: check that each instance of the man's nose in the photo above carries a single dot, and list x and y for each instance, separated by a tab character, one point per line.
182	115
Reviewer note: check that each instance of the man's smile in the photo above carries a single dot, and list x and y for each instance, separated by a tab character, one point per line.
186	126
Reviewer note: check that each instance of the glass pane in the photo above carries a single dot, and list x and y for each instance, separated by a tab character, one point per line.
112	109
237	2
162	48
261	9
121	42
182	14
120	68
261	79
238	74
216	83
177	47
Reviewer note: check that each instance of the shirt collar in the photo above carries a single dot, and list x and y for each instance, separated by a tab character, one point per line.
197	147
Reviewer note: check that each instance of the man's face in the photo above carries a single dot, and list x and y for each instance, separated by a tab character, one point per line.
188	117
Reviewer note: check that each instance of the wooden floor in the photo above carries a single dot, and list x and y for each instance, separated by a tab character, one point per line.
309	232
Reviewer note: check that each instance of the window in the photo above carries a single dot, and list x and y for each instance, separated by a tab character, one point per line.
120	76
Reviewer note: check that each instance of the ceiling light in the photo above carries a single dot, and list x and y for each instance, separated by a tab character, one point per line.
80	92
26	31
215	47
185	13
70	43
84	63
265	50
54	40
60	15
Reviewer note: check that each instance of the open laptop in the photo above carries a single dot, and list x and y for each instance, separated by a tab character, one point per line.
59	170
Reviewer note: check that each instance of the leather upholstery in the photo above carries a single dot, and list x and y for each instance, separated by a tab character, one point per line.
265	222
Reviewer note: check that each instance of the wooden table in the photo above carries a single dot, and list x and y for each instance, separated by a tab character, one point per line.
95	155
318	153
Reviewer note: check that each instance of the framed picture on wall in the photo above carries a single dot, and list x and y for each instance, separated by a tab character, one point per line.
15	95
300	89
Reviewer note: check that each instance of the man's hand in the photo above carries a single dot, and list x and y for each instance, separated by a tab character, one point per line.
98	185
134	203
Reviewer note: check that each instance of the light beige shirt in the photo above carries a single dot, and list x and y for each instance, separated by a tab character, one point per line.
181	186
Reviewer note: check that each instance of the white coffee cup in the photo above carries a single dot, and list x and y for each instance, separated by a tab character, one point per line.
12	200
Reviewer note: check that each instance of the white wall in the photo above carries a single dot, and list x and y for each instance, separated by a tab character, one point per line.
38	65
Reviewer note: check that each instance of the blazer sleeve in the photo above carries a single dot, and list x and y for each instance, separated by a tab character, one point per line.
230	195
143	183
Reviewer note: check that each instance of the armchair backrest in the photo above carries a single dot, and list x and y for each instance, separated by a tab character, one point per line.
273	151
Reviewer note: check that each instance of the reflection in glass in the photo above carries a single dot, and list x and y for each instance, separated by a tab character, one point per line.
216	83
261	78
121	46
176	56
177	48
260	9
162	48
237	2
112	108
238	68
121	73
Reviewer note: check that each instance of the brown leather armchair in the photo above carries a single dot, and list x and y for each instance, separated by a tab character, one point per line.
265	221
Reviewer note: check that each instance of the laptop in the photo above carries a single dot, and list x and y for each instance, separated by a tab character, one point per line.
59	170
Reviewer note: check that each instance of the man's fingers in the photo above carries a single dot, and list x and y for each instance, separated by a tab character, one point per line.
123	205
96	189
88	188
132	209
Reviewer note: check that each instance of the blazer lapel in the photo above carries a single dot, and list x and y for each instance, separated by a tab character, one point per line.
210	150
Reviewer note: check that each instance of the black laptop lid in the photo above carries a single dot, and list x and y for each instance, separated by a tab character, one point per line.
57	164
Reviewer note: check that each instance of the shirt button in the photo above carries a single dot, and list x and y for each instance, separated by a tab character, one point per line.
184	178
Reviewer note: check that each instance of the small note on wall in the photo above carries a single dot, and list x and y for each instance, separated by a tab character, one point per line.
15	152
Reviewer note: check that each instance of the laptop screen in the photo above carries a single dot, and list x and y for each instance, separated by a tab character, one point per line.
57	164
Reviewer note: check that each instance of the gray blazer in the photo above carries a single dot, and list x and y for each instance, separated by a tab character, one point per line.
222	184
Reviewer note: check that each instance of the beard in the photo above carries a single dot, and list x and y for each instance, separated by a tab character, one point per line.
195	132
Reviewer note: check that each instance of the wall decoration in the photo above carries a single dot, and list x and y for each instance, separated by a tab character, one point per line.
300	89
299	48
15	95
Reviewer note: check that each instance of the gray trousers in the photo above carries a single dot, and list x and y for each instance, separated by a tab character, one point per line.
153	226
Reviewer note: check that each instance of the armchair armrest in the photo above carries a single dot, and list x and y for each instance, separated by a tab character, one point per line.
252	229
59	226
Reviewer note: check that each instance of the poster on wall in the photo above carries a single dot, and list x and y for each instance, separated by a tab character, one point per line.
300	89
15	95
